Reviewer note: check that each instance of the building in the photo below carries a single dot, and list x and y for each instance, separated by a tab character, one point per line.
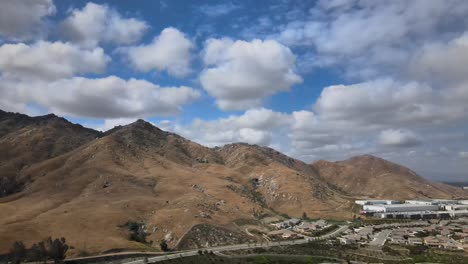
400	208
415	241
288	223
414	215
454	207
458	213
305	227
420	202
374	202
432	201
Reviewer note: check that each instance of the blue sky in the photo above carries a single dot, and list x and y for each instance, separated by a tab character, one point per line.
313	79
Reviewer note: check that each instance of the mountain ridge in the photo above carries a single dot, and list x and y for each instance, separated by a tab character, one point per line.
96	182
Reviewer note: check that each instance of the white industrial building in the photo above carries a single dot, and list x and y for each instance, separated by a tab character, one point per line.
420	202
455	207
432	201
385	208
415	209
458	213
373	202
415	215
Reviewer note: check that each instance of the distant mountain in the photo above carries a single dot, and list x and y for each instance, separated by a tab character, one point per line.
457	184
67	180
372	177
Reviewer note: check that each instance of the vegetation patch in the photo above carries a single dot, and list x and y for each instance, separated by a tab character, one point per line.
11	184
323	231
262	259
49	249
204	235
136	231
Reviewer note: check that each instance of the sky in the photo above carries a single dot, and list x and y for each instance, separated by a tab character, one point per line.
312	79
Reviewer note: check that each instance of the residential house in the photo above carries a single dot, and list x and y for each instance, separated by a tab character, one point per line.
415	241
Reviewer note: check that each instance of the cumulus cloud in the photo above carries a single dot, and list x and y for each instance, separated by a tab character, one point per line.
96	24
347	118
398	138
49	60
241	73
255	126
109	97
366	37
170	51
386	101
24	19
111	123
442	61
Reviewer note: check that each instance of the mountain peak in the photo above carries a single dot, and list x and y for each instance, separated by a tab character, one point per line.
368	160
49	118
140	123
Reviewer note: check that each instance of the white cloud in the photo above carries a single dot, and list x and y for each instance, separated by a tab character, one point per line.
24	19
253	136
170	51
49	60
360	118
218	10
255	126
368	37
108	98
96	24
385	101
444	62
243	73
398	138
111	123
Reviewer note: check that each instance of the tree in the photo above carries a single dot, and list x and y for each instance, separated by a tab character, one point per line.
56	249
37	252
163	245
137	231
18	252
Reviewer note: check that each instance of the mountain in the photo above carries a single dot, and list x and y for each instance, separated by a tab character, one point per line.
90	187
139	173
26	140
372	177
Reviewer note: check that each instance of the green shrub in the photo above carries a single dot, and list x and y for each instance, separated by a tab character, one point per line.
137	231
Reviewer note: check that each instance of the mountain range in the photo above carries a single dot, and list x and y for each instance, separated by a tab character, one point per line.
64	180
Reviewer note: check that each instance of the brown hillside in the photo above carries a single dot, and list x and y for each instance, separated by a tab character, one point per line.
141	173
26	140
86	185
372	177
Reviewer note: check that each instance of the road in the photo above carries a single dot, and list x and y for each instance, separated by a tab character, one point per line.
181	254
380	238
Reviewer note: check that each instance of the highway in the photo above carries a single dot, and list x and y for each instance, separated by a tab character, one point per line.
181	254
